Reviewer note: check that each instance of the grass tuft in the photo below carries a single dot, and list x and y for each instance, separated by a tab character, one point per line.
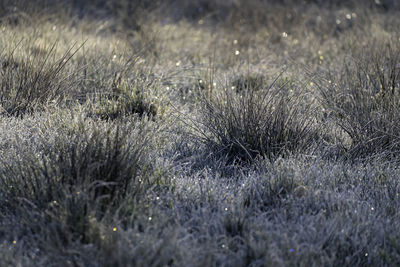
260	120
27	84
83	174
364	100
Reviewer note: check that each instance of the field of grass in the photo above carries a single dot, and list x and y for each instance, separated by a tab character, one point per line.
199	133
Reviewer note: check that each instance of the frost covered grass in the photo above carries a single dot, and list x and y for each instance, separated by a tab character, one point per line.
199	133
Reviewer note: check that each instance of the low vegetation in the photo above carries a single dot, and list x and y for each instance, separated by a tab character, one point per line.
199	133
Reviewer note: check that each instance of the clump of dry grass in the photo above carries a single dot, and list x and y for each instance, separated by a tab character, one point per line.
30	82
364	99
74	181
261	119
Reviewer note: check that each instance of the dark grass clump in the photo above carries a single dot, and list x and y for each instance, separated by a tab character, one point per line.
28	83
82	175
103	161
364	100
261	120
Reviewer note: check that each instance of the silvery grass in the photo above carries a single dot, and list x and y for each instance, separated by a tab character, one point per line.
291	211
363	99
75	172
77	189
